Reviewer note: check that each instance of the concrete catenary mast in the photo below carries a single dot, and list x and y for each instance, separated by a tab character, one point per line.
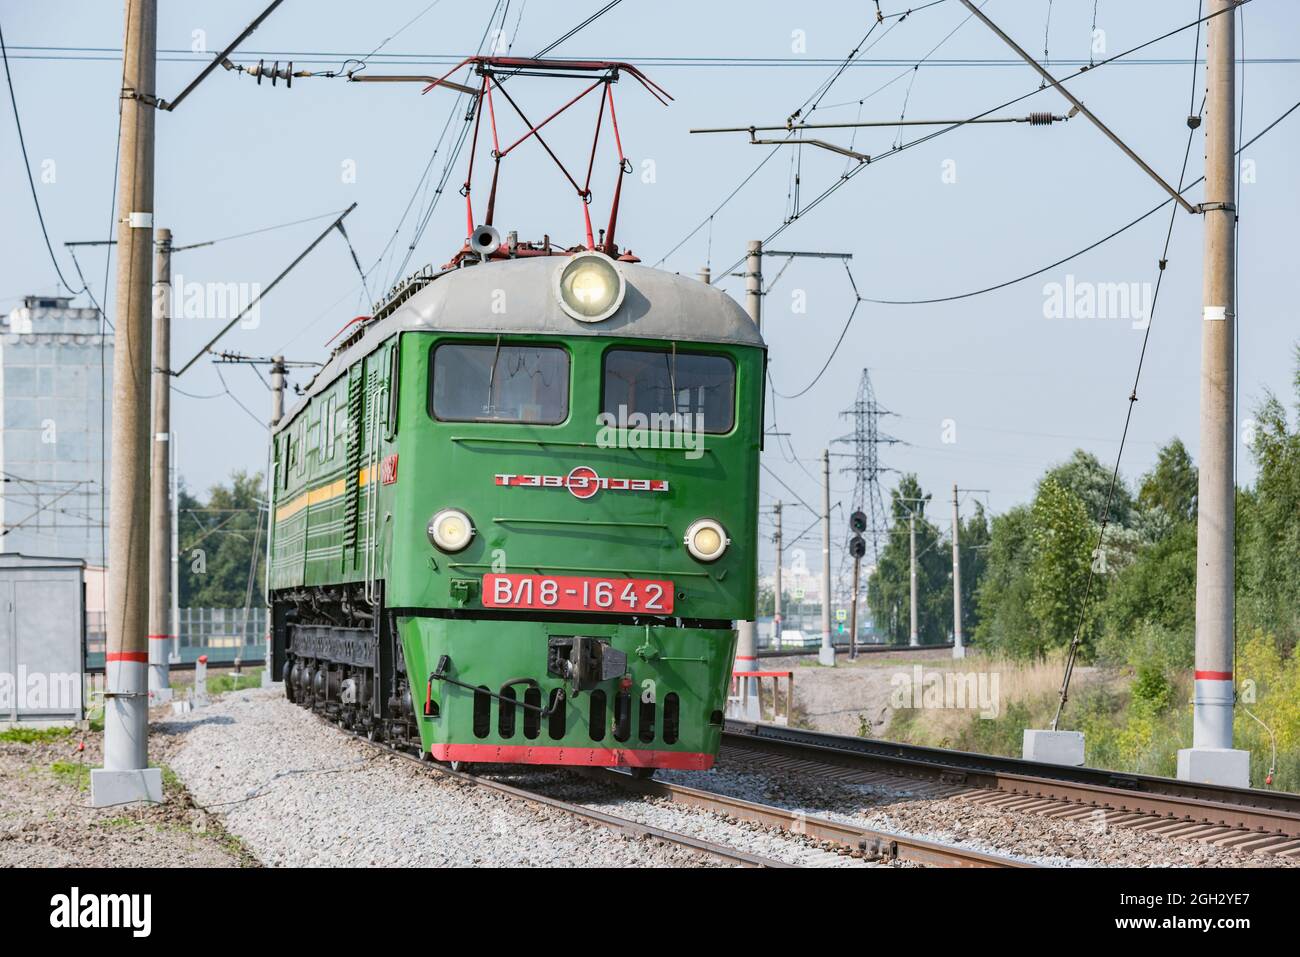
160	510
126	775
746	640
1212	757
958	647
826	654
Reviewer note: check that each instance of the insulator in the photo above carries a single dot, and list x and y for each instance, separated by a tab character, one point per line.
1040	119
275	72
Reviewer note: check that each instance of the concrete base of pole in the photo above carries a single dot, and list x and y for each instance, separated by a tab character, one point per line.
110	788
959	651
1225	766
826	656
1212	706
1054	747
160	685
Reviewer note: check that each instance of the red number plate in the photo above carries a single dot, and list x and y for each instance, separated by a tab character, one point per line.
618	596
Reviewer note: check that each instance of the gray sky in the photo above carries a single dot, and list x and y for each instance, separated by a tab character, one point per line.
1022	390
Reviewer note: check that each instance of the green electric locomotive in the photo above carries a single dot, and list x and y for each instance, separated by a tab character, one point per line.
515	514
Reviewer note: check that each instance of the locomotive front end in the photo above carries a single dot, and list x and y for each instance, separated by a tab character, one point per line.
578	497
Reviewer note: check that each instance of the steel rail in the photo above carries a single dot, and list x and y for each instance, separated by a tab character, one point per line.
1249	810
871	844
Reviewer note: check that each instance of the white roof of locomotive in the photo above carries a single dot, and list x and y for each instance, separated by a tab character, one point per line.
516	297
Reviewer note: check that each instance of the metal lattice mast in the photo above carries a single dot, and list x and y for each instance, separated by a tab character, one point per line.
866	439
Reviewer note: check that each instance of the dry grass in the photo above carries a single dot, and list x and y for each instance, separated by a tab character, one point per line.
1026	683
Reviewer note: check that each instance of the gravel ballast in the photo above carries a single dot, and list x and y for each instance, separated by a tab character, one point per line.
299	792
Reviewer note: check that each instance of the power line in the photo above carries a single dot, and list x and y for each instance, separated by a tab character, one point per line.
235	398
1086	249
425	215
789	489
256	232
845	177
383	43
857	301
72	54
824	88
581	26
27	166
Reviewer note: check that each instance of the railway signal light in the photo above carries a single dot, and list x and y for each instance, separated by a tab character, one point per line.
858	522
857	545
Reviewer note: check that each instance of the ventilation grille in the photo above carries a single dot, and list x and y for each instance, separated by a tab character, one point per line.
621	719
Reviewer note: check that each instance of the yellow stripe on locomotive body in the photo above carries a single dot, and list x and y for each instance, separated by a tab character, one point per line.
474	453
315	496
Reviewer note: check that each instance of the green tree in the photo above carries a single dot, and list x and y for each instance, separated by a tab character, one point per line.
1158	588
1062	541
1171	485
1002	599
1269	532
219	540
974	561
889	589
1090	481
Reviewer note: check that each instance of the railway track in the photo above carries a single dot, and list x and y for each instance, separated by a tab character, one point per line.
1242	819
874	845
612	822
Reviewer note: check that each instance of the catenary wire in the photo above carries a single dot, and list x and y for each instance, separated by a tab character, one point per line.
846	177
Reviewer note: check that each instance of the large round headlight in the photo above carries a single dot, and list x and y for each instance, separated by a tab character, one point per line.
706	540
590	288
450	529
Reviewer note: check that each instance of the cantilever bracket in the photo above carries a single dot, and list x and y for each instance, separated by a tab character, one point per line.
1078	105
842	150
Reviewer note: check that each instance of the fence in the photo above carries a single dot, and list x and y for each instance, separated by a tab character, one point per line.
223	634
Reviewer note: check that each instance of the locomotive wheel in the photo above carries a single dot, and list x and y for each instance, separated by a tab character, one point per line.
459	765
643	774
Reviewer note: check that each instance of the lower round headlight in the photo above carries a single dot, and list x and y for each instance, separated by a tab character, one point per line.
450	529
706	539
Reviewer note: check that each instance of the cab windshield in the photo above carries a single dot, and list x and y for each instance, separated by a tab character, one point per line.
652	382
495	382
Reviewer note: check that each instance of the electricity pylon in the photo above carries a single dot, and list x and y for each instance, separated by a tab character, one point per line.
866	468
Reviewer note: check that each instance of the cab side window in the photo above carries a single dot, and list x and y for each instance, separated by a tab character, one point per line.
496	382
